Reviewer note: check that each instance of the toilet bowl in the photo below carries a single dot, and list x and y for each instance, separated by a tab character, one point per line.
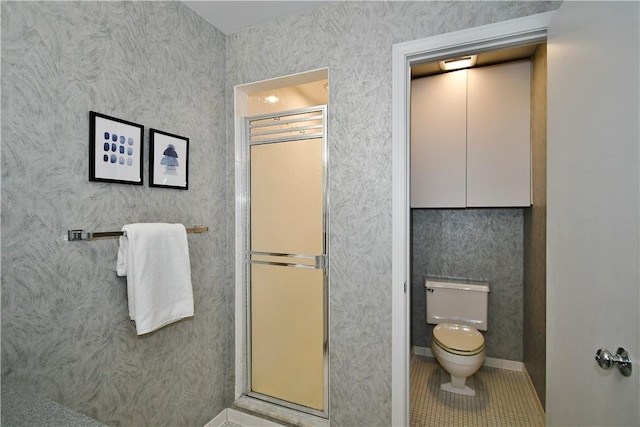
459	349
458	308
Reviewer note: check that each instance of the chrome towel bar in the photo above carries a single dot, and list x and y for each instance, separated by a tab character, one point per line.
76	235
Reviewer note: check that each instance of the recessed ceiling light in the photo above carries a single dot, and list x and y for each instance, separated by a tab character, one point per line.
458	63
272	99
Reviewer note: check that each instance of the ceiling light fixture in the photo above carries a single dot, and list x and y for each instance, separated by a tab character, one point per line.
272	99
458	63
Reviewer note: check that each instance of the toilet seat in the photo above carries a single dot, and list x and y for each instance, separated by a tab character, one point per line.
458	339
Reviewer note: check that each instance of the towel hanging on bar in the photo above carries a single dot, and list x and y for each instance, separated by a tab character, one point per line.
155	259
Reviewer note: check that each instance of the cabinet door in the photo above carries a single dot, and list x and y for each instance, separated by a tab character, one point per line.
438	140
498	135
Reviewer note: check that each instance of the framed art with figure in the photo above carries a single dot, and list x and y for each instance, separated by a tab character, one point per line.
168	160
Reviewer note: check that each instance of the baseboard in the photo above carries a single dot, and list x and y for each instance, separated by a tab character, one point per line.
277	413
240	418
219	420
509	365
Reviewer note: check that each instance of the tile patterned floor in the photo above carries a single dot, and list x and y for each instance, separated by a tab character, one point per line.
504	398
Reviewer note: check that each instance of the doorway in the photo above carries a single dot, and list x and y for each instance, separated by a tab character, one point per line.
512	33
495	231
282	279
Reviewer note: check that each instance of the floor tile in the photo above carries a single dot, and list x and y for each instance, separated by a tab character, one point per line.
504	398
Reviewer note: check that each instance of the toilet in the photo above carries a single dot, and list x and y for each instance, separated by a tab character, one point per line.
459	309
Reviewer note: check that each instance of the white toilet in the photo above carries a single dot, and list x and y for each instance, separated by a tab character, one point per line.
459	309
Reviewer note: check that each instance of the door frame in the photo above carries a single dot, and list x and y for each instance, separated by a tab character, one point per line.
241	100
321	261
510	33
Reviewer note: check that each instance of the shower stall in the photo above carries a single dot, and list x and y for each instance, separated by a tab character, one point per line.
287	259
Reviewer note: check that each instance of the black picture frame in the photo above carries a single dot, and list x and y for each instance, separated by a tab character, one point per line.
115	150
168	160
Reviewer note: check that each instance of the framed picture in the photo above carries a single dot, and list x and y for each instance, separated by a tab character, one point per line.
115	150
168	160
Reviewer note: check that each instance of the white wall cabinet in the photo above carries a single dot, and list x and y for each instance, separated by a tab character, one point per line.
470	138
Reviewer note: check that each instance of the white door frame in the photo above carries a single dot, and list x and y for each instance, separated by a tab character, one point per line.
515	32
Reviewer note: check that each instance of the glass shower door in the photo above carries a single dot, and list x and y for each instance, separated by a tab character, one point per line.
287	260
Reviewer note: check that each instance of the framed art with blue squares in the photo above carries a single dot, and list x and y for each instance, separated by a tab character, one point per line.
115	150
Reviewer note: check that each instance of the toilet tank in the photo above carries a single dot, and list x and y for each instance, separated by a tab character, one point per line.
457	301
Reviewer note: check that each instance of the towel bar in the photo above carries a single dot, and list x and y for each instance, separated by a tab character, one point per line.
75	235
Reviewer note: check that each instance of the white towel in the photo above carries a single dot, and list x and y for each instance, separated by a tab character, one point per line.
155	259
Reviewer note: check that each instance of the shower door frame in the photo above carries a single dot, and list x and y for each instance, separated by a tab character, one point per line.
322	261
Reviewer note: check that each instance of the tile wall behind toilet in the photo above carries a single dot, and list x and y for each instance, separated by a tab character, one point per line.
480	244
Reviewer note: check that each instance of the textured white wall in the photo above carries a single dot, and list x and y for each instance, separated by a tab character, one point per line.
65	326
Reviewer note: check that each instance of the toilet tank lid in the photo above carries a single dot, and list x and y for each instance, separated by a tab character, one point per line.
462	285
